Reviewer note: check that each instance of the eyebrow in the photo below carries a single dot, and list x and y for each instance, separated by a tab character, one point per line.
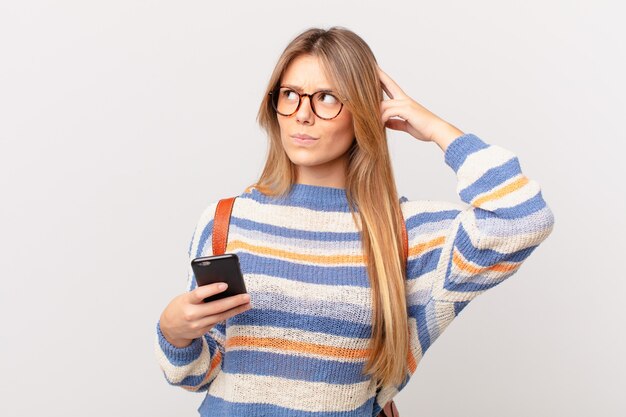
296	87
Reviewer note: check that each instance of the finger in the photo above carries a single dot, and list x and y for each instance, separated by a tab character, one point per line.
393	112
224	304
212	320
392	89
389	104
386	90
396	124
201	292
382	83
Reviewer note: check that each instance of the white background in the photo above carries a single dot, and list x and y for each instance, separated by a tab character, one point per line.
120	121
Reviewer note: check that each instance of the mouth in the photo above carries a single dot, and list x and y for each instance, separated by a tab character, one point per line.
303	140
302	136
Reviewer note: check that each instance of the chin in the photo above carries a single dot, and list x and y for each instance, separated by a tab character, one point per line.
305	162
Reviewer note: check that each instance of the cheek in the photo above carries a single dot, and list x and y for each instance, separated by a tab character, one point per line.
283	130
344	133
347	124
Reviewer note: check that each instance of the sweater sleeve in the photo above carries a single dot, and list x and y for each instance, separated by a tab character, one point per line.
194	367
468	249
507	218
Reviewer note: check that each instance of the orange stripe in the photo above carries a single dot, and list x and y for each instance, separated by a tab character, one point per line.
497	194
323	259
426	246
473	270
217	358
264	250
292	345
411	362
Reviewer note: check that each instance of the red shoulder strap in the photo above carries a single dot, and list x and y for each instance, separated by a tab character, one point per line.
405	241
221	221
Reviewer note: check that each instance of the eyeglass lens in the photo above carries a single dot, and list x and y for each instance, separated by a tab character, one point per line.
324	104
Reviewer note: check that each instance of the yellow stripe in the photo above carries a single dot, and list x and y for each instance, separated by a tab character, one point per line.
426	246
233	245
465	266
497	194
264	250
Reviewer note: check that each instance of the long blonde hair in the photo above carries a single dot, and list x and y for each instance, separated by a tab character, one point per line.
370	185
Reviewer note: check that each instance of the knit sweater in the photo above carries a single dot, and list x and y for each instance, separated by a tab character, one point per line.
300	350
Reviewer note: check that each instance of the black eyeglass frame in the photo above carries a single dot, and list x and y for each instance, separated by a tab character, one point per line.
300	95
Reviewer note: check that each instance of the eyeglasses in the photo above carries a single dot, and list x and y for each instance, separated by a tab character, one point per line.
325	103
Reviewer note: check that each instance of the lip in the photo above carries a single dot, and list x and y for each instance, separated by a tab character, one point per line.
302	136
302	139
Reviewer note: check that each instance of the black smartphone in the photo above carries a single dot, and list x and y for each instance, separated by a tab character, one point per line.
219	268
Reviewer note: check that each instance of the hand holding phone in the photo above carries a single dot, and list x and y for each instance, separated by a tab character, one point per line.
192	314
188	317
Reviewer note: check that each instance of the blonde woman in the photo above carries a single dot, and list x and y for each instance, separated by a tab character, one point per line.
335	322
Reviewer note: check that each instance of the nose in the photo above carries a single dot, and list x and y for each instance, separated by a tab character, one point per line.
305	112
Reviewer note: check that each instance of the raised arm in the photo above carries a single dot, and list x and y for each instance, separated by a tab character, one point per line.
506	219
458	251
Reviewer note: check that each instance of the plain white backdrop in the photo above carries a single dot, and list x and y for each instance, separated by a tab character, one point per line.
120	121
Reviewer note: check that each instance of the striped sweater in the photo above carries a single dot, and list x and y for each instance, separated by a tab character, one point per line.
301	348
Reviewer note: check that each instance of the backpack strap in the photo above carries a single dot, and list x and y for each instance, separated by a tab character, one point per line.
405	242
222	219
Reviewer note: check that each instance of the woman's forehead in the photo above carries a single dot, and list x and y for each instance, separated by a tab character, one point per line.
299	88
306	72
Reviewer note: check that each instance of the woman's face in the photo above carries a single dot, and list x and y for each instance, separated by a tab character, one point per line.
323	161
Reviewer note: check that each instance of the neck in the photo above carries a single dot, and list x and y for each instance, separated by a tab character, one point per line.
331	174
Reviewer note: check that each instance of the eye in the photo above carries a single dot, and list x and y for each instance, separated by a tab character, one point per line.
288	94
328	98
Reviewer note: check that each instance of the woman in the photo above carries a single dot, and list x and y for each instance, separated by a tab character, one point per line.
337	323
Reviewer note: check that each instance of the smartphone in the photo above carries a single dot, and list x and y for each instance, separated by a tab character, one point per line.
219	268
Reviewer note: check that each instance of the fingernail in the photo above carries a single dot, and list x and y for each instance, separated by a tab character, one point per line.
222	286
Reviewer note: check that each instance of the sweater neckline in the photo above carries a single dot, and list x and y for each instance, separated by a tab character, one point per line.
307	191
316	197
